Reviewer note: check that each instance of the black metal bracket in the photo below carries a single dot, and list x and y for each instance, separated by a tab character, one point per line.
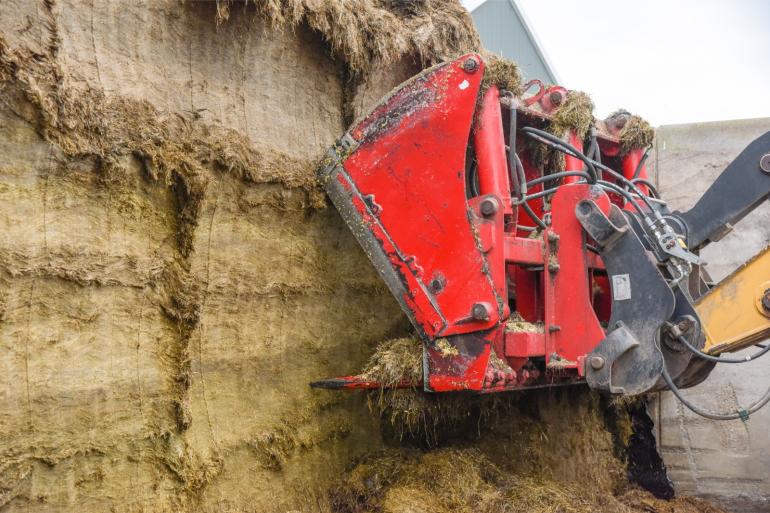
742	186
628	360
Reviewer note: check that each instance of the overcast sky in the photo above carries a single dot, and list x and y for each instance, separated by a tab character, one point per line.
670	61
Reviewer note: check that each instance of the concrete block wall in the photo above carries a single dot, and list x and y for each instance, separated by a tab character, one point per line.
728	462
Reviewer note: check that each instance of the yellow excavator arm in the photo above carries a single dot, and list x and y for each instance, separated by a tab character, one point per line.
736	313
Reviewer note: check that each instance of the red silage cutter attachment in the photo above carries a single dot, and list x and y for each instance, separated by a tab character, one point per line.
438	184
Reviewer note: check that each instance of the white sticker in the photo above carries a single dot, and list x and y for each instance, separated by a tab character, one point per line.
464	85
621	287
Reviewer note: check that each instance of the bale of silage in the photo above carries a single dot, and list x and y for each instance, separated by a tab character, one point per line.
171	274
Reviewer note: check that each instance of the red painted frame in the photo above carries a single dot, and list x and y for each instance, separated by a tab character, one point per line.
464	261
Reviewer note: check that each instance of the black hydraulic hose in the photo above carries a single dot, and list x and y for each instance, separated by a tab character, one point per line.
533	216
625	180
521	176
627	195
555	142
638	169
649	185
594	152
593	249
518	181
562	146
554	176
740	414
523	199
540	194
721	359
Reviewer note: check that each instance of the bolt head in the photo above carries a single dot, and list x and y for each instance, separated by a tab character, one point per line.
470	65
488	206
764	163
597	362
480	312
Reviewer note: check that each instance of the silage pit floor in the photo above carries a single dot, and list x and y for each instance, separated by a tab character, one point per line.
465	480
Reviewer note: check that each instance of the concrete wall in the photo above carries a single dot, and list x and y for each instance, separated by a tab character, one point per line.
728	462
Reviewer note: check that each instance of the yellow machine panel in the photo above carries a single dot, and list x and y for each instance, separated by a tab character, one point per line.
736	313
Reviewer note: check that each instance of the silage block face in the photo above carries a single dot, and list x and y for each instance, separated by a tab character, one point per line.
169	287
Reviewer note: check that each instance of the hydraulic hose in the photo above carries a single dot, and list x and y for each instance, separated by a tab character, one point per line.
591	165
564	147
627	195
739	414
540	194
638	169
721	359
522	180
518	180
649	185
554	176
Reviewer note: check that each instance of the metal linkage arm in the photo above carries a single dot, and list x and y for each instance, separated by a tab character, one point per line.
741	187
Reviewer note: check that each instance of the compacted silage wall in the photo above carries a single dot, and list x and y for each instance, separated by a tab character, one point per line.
171	277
